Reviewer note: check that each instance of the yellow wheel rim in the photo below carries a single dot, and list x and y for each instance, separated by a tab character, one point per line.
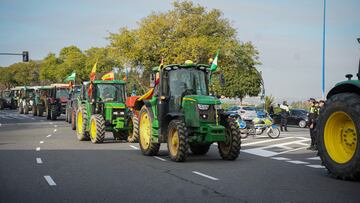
145	130
340	137
173	141
93	129
79	123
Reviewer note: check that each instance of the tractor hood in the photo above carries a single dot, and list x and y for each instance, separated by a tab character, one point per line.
201	99
114	105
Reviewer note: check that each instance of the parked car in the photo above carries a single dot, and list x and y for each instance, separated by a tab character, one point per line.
247	113
297	117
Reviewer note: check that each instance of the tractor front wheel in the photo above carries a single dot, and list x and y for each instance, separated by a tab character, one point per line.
40	111
81	121
147	147
34	110
97	128
230	148
338	136
26	109
177	141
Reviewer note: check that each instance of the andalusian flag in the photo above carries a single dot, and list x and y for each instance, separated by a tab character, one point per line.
71	77
108	76
214	63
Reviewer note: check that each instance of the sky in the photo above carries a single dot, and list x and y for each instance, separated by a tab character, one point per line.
288	34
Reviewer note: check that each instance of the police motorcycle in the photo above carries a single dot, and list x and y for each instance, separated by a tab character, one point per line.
259	125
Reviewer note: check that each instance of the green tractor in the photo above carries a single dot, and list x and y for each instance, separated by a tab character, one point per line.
40	102
103	110
181	113
26	99
339	129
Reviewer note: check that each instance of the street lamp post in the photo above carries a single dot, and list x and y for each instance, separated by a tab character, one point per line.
323	52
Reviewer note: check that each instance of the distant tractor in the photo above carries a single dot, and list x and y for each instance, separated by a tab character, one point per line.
339	129
7	100
181	113
57	101
71	106
41	100
26	99
103	110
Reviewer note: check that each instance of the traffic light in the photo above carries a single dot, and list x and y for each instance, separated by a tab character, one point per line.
25	56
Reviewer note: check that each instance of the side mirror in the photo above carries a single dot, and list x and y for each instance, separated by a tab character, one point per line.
152	80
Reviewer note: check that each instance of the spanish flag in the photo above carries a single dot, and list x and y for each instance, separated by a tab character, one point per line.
108	76
93	72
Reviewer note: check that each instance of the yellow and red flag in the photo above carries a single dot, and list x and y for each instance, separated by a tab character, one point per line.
108	76
92	78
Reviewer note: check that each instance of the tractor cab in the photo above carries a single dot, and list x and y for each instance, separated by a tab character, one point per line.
57	100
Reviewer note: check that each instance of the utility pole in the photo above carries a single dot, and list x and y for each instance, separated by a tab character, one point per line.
323	52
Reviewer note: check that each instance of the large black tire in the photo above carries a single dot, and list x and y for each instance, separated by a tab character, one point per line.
53	115
348	103
97	135
26	109
40	111
73	120
199	149
148	148
2	106
21	109
230	149
81	132
177	141
133	135
69	115
34	110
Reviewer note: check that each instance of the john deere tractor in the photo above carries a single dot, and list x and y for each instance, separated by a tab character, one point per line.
181	113
339	129
40	101
103	110
26	99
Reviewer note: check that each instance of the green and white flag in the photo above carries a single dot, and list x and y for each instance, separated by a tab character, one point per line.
214	63
70	77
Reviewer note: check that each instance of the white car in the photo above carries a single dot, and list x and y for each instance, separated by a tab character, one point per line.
247	113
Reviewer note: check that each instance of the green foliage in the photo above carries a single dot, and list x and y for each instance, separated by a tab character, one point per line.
269	101
300	105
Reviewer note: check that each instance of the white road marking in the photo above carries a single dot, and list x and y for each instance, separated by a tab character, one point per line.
298	162
316	166
32	118
37	148
0	124
51	123
50	181
55	130
39	161
260	152
132	146
55	126
161	159
41	142
265	141
292	150
48	135
281	158
314	158
204	175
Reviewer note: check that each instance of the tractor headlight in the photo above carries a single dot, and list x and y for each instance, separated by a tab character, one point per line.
116	113
203	107
122	113
218	107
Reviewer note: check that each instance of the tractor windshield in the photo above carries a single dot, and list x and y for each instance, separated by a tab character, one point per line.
110	93
62	93
185	81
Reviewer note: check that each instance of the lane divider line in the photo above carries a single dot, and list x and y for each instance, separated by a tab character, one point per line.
265	141
48	135
55	126
39	161
51	123
298	162
204	175
314	158
316	166
161	159
49	180
132	146
37	148
280	158
41	142
55	130
292	150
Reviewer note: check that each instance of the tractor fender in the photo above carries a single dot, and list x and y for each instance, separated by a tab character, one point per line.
350	87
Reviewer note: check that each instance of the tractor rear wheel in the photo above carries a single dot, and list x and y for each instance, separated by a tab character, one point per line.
26	109
133	133
147	147
21	109
199	149
40	111
230	148
177	141
339	136
81	122
97	128
53	115
73	119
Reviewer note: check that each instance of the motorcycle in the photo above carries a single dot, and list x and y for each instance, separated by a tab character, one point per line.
258	126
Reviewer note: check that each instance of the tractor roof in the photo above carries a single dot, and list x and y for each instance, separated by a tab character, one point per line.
172	66
121	82
60	85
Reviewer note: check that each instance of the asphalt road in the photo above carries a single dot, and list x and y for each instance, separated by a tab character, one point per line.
42	161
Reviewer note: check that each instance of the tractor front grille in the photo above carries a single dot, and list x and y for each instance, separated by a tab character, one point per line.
208	115
116	113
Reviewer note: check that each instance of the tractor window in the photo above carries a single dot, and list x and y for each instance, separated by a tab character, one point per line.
184	82
62	93
7	94
110	93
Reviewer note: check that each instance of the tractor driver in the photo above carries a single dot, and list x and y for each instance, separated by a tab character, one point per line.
106	94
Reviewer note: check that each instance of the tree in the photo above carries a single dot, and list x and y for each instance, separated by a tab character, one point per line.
269	101
189	31
49	69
